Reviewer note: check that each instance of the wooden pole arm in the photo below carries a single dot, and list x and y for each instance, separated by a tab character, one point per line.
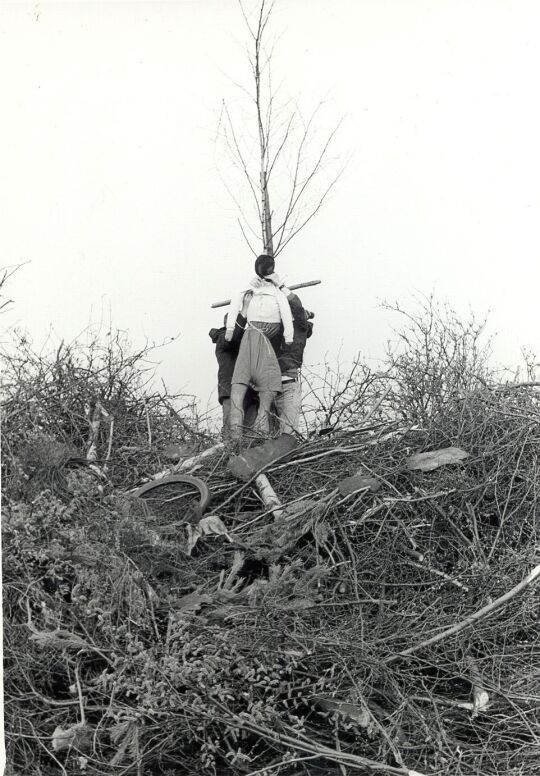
291	288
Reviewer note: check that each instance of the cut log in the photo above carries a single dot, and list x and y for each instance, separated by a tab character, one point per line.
268	495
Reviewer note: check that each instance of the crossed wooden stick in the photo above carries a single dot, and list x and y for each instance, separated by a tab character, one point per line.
291	288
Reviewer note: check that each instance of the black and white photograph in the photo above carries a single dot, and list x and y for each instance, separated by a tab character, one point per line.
270	387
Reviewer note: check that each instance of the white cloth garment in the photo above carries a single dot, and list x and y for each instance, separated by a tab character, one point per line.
268	305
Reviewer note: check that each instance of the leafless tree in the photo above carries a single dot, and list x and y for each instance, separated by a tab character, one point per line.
285	153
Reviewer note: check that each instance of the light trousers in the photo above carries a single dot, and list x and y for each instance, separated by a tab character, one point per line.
288	407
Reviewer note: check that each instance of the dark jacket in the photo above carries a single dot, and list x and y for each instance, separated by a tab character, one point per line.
226	353
290	357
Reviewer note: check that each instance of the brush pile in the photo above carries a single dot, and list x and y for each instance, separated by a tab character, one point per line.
385	621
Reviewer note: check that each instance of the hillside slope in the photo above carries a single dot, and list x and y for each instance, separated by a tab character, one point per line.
377	623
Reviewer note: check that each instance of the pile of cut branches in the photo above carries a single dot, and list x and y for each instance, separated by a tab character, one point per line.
385	621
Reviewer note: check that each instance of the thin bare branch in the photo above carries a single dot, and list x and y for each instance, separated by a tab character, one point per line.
316	167
282	244
252	249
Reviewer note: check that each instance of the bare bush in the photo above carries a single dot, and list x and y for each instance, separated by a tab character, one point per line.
436	360
98	399
389	625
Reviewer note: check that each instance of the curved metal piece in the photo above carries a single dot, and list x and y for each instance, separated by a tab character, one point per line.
201	486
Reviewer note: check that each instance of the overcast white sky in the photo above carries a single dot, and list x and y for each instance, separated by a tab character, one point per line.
109	183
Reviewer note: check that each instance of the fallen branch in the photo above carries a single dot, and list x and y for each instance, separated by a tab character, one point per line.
304	744
425	567
148	425
344	450
472	618
95	417
190	463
